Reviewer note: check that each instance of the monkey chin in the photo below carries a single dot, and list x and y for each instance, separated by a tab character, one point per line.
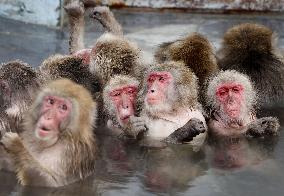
159	108
49	137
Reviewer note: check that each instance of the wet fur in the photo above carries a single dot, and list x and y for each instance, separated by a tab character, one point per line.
251	49
72	157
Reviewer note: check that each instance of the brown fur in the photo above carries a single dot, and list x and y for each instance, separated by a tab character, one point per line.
194	50
251	49
107	19
75	11
18	84
72	157
65	66
113	55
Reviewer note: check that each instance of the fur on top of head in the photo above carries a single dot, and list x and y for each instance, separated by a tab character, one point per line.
84	109
185	82
249	37
113	55
231	76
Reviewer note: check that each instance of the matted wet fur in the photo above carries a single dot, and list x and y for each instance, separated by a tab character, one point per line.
251	49
67	66
194	50
72	157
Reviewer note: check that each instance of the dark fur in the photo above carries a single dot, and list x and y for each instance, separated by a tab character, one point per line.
248	48
194	50
66	66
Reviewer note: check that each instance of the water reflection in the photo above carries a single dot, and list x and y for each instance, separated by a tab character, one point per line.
225	166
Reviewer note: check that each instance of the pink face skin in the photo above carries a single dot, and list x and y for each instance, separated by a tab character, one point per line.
157	85
53	112
85	55
124	101
231	96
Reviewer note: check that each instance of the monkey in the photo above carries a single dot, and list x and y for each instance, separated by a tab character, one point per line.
68	66
107	19
57	146
251	49
195	51
121	106
232	99
171	112
18	83
76	11
113	55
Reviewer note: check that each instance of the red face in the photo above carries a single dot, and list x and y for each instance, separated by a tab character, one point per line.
85	55
124	101
230	95
54	111
157	84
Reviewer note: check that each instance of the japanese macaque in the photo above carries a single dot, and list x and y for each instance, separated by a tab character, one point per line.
107	19
76	11
58	146
67	66
251	49
18	83
194	50
120	104
171	110
114	55
232	99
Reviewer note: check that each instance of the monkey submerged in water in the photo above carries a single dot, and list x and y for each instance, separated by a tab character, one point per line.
252	49
232	99
120	103
57	146
171	112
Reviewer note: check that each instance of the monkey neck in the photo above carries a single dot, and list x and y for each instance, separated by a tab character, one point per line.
77	29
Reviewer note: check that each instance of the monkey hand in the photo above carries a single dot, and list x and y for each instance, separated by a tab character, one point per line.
136	127
11	142
266	126
186	133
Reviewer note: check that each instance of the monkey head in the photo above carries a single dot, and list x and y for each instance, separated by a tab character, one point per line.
168	87
102	14
113	55
119	96
61	108
17	84
232	94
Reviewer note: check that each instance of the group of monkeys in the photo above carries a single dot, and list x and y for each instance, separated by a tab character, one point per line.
48	114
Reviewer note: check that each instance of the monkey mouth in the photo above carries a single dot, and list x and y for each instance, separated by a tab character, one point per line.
125	119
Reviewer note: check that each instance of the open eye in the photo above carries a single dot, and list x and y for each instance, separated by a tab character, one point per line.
64	107
50	101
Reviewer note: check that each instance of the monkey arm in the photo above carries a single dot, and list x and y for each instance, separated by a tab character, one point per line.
23	160
75	11
186	133
263	127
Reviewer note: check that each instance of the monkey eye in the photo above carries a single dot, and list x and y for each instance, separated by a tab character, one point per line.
64	107
115	94
161	79
50	101
236	90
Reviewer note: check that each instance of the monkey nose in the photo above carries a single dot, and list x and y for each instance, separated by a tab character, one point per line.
152	91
